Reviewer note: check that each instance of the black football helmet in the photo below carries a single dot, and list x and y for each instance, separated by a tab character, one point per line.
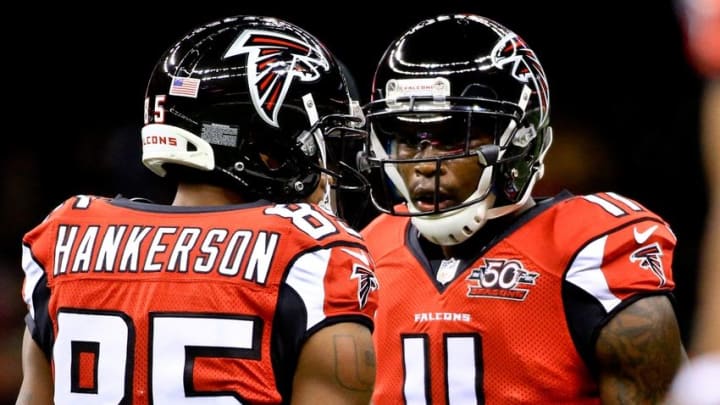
249	102
451	78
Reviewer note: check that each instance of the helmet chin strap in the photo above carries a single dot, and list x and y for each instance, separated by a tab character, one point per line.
448	228
455	227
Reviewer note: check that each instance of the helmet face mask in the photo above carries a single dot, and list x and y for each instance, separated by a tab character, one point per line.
456	88
465	141
248	100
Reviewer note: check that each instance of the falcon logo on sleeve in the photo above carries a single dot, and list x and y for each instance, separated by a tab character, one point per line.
649	259
274	61
367	282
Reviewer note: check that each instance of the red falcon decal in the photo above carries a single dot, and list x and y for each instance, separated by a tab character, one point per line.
649	258
274	61
525	67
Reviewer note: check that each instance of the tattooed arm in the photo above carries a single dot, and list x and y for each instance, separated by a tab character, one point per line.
638	352
336	366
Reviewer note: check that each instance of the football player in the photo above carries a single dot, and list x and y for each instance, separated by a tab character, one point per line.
490	295
248	288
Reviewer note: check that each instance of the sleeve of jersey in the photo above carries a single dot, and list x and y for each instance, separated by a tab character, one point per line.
633	260
336	284
35	290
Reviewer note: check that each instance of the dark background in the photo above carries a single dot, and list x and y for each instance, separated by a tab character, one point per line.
624	108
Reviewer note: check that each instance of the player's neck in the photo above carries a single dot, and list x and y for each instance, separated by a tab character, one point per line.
188	194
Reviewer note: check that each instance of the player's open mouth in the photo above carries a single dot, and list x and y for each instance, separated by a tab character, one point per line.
425	201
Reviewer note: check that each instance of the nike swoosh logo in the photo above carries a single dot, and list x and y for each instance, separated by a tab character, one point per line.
641	237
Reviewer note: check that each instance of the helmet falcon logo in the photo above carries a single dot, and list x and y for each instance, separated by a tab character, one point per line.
525	67
274	61
649	258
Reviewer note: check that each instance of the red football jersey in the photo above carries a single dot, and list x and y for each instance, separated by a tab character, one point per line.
516	322
139	303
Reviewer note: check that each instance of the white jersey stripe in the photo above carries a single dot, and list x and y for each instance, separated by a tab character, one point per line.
625	201
606	205
415	363
586	273
461	370
307	278
33	274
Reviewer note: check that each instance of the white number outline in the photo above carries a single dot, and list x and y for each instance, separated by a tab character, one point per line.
158	110
175	341
462	354
305	218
